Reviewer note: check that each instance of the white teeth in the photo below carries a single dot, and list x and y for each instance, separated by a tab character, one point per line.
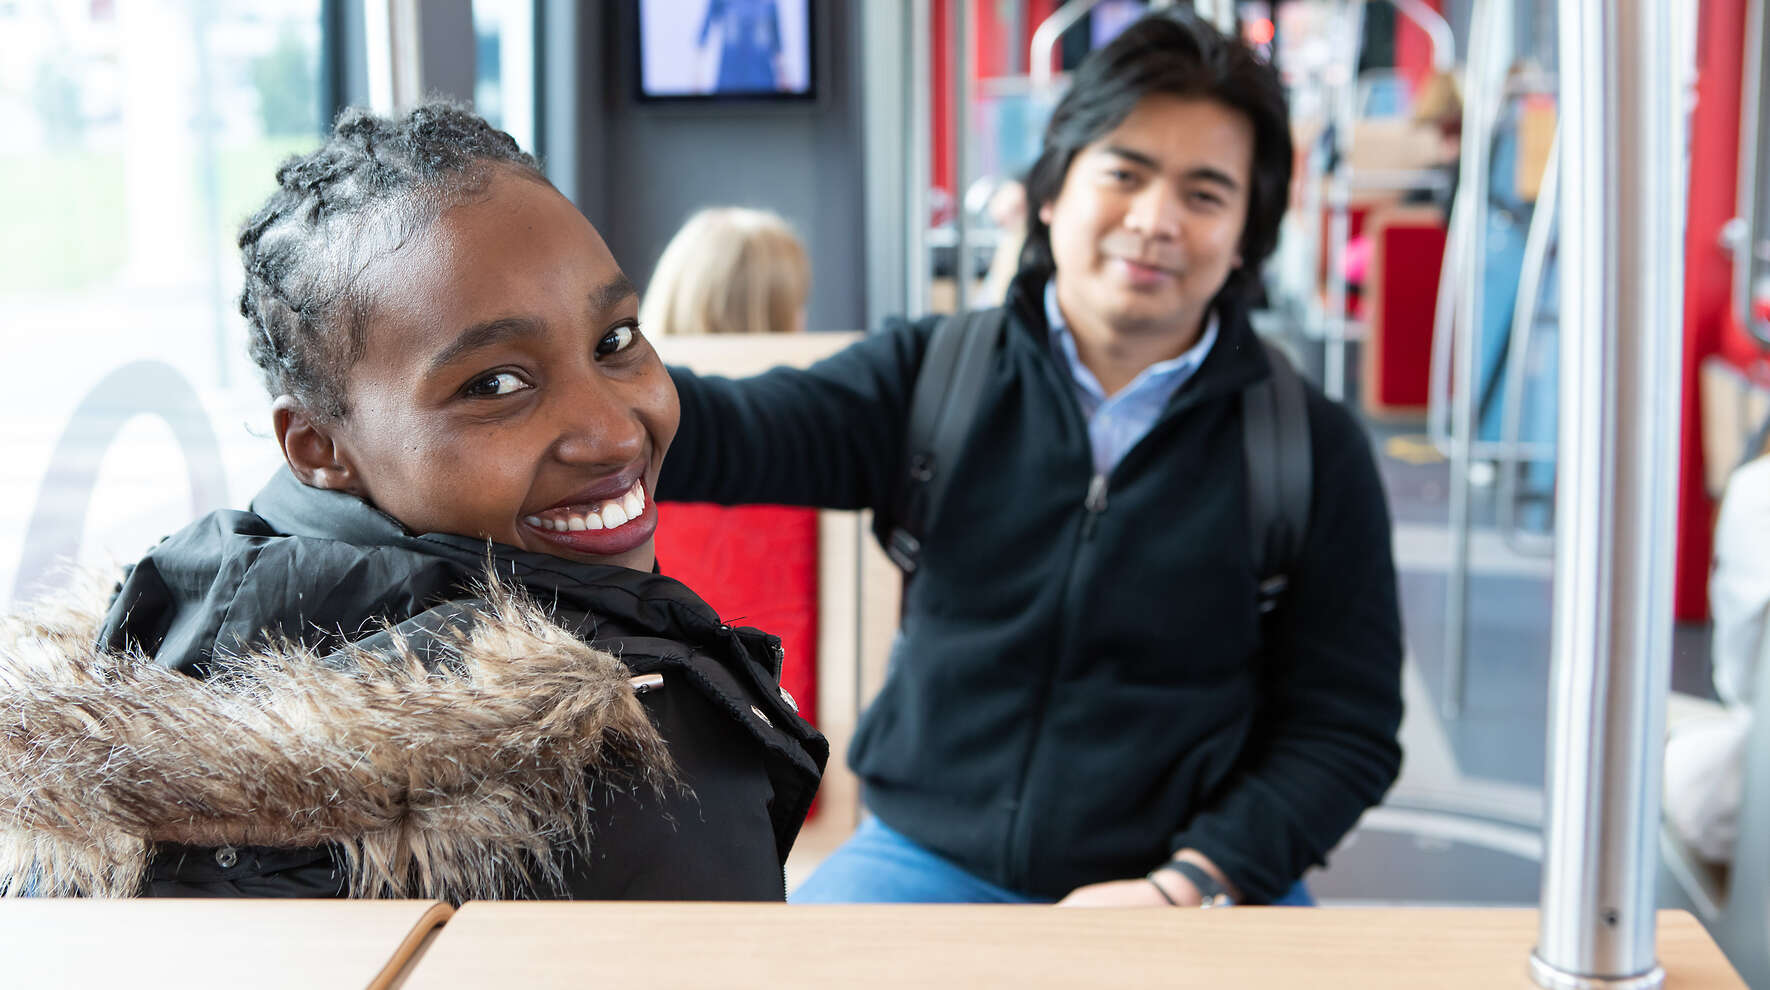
614	513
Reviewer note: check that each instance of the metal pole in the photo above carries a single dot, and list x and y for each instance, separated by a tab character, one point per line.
1487	37
959	15
917	130
1623	93
1047	35
1344	113
1752	255
1514	453
1220	14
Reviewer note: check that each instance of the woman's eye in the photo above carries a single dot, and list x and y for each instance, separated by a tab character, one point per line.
616	340
501	383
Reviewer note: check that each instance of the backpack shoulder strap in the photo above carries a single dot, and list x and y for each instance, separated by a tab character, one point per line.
1275	438
943	407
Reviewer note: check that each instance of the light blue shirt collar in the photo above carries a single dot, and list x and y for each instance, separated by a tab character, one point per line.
1117	422
1065	343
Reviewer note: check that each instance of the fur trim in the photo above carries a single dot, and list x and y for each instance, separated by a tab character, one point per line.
462	782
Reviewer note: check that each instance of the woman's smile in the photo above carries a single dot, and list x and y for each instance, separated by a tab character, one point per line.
598	526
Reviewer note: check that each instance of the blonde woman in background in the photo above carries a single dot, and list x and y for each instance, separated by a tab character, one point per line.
729	270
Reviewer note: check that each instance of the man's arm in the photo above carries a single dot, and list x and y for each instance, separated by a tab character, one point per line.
831	435
1323	749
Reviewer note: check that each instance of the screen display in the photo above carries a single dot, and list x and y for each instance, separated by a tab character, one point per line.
719	49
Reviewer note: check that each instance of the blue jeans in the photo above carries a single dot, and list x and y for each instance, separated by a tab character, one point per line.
879	865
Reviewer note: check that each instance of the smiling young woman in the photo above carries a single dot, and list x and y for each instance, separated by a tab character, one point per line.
433	659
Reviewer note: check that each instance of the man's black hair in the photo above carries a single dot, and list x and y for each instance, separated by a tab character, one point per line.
1169	52
373	183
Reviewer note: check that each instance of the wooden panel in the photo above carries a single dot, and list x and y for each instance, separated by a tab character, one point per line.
1733	407
774	946
191	944
736	355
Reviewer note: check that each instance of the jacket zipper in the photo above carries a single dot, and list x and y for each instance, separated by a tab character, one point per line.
1018	839
1095	504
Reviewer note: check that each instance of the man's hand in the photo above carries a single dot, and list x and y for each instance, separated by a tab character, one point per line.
1133	893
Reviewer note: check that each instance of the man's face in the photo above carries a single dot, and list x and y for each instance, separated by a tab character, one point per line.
1148	223
504	391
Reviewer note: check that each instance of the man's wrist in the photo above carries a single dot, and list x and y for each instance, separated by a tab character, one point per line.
1191	878
1205	890
1179	891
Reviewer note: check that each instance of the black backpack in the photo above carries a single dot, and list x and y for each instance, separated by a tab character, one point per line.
943	406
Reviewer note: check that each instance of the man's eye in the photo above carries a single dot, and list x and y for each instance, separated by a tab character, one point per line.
616	340
501	383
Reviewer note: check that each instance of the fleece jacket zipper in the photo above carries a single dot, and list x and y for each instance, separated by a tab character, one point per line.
1016	851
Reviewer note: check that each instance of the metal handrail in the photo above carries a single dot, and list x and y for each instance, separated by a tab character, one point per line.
1537	245
1444	42
1444	316
1045	38
1343	113
1751	257
1220	14
1489	32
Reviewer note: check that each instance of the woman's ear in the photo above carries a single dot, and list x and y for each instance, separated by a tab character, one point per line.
310	448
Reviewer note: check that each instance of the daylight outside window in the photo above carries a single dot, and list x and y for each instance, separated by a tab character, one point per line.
139	135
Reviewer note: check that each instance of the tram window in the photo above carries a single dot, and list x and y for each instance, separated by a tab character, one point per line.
504	66
138	135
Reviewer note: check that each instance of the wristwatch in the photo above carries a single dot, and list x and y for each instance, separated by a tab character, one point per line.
1211	893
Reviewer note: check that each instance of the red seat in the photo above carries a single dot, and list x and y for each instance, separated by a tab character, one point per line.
757	566
1400	303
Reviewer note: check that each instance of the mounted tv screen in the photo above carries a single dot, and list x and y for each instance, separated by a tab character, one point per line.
725	49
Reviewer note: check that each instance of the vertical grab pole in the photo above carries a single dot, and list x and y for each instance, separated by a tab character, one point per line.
1514	453
918	128
959	15
1344	114
1489	29
1623	93
1751	264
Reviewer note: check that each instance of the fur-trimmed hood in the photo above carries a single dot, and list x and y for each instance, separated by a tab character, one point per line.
454	769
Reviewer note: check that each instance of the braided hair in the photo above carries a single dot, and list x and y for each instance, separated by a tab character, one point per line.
375	183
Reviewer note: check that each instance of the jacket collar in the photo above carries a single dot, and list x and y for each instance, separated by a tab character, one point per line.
654	602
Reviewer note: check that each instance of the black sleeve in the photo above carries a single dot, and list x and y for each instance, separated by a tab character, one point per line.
831	435
1324	747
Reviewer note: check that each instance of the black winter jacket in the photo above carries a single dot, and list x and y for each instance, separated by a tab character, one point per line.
320	704
1076	694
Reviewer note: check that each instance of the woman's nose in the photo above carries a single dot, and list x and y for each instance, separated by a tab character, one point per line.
597	425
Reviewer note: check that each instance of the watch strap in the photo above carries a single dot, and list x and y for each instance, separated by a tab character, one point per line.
1211	893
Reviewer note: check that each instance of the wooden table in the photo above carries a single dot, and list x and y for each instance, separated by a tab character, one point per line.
192	944
774	946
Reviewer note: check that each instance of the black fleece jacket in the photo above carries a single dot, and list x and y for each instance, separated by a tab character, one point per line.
1075	694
